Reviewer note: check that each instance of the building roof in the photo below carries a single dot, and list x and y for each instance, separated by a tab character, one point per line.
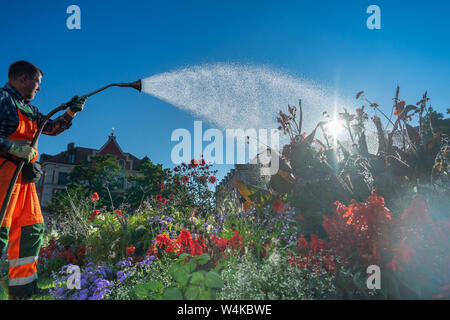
82	154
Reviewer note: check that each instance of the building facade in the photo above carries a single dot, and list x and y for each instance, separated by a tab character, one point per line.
56	168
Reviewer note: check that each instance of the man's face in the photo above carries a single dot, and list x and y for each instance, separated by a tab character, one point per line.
30	86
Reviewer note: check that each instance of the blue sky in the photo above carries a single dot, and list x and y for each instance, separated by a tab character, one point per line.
122	41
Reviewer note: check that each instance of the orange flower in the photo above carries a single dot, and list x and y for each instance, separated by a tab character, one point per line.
95	197
130	251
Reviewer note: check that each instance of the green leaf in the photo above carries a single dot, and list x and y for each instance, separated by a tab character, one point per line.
141	290
155	286
193	292
191	266
205	295
183	256
203	259
213	280
197	277
181	275
173	294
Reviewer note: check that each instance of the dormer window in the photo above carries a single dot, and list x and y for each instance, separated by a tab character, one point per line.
71	158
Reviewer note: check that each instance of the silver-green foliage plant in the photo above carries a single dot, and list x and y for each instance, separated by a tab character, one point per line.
273	279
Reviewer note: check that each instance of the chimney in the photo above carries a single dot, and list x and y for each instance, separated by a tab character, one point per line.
70	146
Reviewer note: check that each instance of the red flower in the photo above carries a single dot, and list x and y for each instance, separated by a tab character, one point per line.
158	197
212	179
161	185
221	243
163	239
235	241
130	251
152	251
95	197
118	212
362	227
302	244
185	179
197	246
202	162
277	206
399	108
163	200
94	214
171	196
185	237
171	247
194	163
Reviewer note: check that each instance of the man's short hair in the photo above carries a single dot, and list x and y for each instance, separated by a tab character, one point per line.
21	67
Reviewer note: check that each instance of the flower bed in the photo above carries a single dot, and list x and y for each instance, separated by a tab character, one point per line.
326	216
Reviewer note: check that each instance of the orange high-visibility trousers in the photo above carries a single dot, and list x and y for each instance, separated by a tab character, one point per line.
23	225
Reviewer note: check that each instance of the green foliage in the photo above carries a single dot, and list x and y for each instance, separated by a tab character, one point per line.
433	122
113	234
194	281
103	175
147	283
69	211
146	183
247	278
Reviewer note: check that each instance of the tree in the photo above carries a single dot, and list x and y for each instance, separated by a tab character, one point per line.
434	122
102	175
146	183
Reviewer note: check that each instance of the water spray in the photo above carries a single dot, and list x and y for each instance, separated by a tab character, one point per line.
136	85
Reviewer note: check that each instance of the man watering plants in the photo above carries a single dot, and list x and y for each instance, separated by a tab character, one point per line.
23	224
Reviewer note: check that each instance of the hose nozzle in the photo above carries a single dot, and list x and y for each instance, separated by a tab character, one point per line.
137	85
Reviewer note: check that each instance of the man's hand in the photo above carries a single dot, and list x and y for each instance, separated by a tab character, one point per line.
77	104
26	153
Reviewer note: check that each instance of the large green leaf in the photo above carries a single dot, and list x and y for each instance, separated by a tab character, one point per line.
197	277
206	295
213	280
193	292
181	275
141	290
203	259
155	286
173	294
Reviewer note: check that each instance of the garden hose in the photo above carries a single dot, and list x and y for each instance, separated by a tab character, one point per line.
136	85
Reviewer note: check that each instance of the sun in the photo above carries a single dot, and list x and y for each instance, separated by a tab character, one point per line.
334	127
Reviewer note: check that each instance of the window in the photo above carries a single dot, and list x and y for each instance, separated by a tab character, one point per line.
122	163
63	178
71	158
